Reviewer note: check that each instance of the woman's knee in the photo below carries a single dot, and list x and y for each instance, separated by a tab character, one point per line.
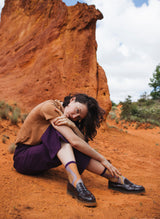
65	149
65	154
65	145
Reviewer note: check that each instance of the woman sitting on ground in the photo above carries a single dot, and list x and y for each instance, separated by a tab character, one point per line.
56	133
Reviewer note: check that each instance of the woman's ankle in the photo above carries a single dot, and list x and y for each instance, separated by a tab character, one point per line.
73	174
119	179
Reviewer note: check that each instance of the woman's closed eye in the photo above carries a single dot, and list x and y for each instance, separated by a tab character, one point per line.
77	110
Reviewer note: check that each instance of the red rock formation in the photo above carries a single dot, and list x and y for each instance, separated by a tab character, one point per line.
48	50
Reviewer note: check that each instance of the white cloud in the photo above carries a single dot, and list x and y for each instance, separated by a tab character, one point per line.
128	45
1	5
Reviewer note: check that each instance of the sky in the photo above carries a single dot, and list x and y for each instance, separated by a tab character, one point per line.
128	40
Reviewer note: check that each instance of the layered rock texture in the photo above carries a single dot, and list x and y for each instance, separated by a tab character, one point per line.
48	50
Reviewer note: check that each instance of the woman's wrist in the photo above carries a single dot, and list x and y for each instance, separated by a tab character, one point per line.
100	157
72	126
103	160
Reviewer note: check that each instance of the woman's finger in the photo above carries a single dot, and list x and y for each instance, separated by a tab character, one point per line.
110	170
58	118
61	122
118	172
114	171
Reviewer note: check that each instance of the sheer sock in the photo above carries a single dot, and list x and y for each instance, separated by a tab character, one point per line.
73	174
106	174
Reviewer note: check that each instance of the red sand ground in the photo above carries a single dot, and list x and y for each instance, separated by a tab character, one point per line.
135	152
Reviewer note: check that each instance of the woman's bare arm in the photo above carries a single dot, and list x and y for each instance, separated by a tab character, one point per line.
63	120
83	147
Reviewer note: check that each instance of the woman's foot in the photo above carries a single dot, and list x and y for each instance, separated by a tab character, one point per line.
126	187
81	193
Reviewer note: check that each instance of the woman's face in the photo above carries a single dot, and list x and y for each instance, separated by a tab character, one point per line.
75	111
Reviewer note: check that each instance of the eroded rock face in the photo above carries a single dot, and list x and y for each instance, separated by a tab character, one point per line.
48	50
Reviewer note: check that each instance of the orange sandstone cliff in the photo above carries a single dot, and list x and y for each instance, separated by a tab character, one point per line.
48	50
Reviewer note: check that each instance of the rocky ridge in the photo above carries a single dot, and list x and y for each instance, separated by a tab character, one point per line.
48	50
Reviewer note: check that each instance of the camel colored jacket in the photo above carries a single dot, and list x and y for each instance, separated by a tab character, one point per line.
38	121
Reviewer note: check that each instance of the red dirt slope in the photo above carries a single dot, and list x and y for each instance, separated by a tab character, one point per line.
136	153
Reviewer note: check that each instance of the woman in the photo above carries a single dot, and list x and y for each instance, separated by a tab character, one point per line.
56	133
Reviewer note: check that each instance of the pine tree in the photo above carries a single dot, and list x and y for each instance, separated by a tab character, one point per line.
155	84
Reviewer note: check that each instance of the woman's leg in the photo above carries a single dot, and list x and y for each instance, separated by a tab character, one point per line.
66	156
120	183
75	187
96	167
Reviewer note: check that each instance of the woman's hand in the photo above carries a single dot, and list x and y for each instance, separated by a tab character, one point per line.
63	120
114	171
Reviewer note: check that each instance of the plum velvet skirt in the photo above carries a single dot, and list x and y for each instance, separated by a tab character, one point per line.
34	159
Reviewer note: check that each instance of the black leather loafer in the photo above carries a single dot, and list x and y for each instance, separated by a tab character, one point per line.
127	187
82	194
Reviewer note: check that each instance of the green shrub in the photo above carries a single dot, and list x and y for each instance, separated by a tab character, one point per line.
8	112
4	110
112	115
12	148
113	104
126	108
117	121
143	111
15	116
114	108
3	140
137	125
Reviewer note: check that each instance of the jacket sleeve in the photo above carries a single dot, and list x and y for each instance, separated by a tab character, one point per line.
48	111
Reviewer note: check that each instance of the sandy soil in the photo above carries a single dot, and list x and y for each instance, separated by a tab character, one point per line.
135	151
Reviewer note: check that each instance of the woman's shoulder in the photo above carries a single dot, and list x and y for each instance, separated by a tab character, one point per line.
53	103
46	103
43	106
48	109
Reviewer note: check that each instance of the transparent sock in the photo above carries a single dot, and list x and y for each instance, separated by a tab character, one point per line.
73	174
106	174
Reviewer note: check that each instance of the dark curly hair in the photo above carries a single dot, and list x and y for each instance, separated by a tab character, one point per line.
88	126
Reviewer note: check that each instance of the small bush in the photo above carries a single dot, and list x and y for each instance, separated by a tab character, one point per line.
3	140
113	103
143	111
8	112
114	108
117	121
4	110
112	115
137	125
15	116
12	148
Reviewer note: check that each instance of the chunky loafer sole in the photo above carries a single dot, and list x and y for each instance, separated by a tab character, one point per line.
128	187
125	191
82	194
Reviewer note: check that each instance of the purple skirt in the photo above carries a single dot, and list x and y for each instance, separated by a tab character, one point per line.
34	159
